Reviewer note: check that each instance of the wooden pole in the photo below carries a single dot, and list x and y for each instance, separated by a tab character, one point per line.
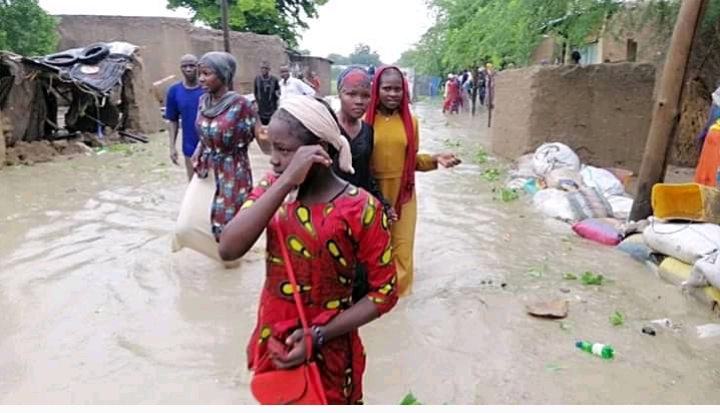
667	106
226	30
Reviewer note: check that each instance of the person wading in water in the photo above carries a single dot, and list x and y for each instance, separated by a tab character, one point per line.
181	105
328	226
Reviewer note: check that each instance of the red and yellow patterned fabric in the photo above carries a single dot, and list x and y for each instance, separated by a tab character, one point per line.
325	243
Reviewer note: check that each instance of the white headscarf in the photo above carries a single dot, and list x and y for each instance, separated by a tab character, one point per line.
716	97
317	118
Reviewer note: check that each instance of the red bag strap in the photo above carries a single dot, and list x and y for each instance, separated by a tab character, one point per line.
296	290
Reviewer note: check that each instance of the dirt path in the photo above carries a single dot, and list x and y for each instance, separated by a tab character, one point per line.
95	309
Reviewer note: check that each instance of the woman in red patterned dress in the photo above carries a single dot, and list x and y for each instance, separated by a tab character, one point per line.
330	227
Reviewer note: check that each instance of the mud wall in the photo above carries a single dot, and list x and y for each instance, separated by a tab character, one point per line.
165	40
322	67
601	111
3	153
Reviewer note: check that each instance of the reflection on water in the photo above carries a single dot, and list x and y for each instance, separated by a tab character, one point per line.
95	309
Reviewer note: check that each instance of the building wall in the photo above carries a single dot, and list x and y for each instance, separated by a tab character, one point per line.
165	40
321	66
601	111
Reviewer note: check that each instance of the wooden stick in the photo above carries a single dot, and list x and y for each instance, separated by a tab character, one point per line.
666	107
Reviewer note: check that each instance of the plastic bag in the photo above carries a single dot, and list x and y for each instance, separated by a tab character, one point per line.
705	271
621	206
604	180
589	203
554	203
685	242
565	179
192	229
551	156
598	231
635	246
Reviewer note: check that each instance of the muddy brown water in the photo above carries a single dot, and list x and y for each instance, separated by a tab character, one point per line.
94	308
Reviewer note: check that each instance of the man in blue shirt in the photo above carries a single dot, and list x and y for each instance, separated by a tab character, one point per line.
181	105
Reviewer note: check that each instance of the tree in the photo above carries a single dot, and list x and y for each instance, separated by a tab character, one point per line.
468	32
339	59
364	55
284	18
26	29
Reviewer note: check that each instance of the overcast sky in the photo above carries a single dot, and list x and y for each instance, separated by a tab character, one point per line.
388	26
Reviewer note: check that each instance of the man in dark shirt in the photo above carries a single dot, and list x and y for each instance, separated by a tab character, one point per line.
267	93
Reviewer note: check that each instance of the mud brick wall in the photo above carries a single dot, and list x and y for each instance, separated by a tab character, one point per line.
165	40
3	153
601	111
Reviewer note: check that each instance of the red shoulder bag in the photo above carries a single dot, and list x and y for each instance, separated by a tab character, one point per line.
299	385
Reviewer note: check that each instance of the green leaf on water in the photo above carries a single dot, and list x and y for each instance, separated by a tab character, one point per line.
588	278
535	273
410	400
491	175
509	195
569	276
481	155
617	319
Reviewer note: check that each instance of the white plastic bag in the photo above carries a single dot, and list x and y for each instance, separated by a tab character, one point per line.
565	179
705	271
193	227
603	180
621	206
554	204
551	156
685	242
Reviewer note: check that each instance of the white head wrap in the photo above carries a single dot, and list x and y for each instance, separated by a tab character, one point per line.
317	118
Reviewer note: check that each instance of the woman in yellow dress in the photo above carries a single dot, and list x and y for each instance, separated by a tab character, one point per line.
394	162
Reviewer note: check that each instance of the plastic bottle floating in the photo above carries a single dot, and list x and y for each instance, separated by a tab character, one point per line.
601	350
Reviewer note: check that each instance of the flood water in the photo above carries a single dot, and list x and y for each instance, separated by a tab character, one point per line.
94	308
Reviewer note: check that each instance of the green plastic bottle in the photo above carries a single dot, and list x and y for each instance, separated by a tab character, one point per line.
600	350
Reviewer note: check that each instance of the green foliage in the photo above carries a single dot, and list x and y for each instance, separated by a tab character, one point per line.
284	18
468	33
26	29
362	55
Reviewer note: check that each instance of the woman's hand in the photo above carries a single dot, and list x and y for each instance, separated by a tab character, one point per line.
446	159
304	159
195	158
296	342
392	215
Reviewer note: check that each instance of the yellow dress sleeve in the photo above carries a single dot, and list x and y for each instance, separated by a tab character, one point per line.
424	162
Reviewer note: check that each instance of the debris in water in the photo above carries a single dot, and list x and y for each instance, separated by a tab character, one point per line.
491	175
617	319
708	330
550	309
569	276
588	278
649	331
664	322
410	400
565	290
535	273
555	367
565	325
